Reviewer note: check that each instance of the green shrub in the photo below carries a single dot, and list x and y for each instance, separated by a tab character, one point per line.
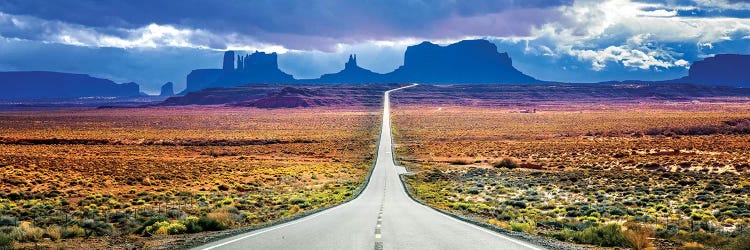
165	228
6	242
526	227
740	243
96	228
609	235
8	221
704	238
191	225
210	224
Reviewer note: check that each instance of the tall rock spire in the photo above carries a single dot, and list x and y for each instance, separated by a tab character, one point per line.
229	61
352	63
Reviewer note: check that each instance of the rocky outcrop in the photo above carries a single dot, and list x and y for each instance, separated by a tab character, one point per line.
723	69
201	79
56	85
167	90
352	73
258	67
469	61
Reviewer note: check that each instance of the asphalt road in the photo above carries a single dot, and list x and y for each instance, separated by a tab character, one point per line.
382	217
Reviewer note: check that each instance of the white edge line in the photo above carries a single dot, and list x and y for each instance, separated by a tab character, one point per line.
488	231
276	227
496	234
299	220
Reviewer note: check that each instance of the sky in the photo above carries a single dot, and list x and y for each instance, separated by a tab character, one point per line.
153	41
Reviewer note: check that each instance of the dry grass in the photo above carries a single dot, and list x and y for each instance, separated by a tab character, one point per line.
124	167
571	168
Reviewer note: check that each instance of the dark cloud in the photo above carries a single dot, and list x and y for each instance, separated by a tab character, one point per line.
286	22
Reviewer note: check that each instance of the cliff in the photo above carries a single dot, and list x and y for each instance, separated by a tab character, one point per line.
723	69
167	89
469	61
258	67
56	85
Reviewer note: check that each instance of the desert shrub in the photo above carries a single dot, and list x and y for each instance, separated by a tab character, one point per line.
515	203
227	216
638	236
461	161
54	232
165	228
96	228
526	227
29	233
6	241
191	225
740	243
73	232
506	163
702	237
609	235
8	221
150	222
210	224
692	246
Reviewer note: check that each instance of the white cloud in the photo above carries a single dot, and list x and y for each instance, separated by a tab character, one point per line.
625	55
149	36
631	33
723	4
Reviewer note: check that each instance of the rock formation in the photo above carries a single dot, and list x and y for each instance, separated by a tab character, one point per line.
258	67
351	73
228	61
56	85
722	69
469	61
167	89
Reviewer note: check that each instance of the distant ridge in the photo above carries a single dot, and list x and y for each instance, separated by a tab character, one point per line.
469	61
56	85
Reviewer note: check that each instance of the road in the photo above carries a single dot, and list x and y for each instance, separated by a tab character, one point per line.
382	217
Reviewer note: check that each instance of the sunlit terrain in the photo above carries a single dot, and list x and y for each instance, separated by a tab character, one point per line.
71	174
601	174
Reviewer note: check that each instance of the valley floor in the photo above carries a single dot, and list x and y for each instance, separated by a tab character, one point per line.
601	174
121	178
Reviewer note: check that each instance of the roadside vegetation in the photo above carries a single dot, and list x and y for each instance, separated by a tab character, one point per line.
641	176
143	177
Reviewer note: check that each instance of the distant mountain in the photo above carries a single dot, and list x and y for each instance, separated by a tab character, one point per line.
468	61
722	69
55	85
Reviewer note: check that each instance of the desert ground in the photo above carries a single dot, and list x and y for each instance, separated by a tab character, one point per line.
651	174
137	176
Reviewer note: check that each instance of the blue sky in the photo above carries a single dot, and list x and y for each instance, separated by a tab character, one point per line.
152	42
